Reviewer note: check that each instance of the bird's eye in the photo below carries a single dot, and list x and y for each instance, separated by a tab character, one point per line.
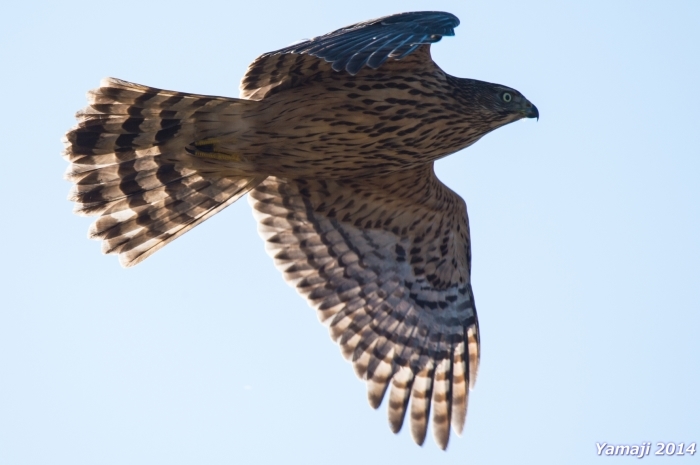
506	97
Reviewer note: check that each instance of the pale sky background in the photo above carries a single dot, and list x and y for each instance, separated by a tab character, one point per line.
586	245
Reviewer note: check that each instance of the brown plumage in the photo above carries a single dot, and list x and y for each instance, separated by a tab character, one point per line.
335	140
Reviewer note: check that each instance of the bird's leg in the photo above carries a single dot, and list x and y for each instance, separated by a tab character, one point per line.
207	148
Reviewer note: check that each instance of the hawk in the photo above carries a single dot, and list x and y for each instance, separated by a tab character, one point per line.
334	138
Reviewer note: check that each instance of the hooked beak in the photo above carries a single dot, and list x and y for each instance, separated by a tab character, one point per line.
531	111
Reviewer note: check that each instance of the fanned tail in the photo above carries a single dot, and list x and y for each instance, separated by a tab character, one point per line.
133	163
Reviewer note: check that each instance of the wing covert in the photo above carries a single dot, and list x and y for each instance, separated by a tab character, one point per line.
373	42
385	262
370	43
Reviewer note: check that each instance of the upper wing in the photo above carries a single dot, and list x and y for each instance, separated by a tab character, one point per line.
368	43
386	264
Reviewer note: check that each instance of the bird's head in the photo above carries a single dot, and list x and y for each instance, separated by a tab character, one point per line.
494	104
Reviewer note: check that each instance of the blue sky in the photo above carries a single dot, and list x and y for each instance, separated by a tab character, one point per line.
585	228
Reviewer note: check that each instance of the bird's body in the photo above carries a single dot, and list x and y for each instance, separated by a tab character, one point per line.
364	125
335	140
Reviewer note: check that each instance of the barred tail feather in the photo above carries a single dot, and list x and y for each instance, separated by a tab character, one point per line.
130	165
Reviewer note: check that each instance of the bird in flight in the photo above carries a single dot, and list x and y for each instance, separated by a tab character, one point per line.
334	139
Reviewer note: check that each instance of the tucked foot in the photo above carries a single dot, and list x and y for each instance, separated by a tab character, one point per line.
207	148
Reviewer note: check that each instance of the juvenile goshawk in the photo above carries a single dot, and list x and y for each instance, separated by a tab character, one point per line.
335	139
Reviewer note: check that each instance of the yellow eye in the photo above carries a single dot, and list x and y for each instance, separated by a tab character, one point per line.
506	97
